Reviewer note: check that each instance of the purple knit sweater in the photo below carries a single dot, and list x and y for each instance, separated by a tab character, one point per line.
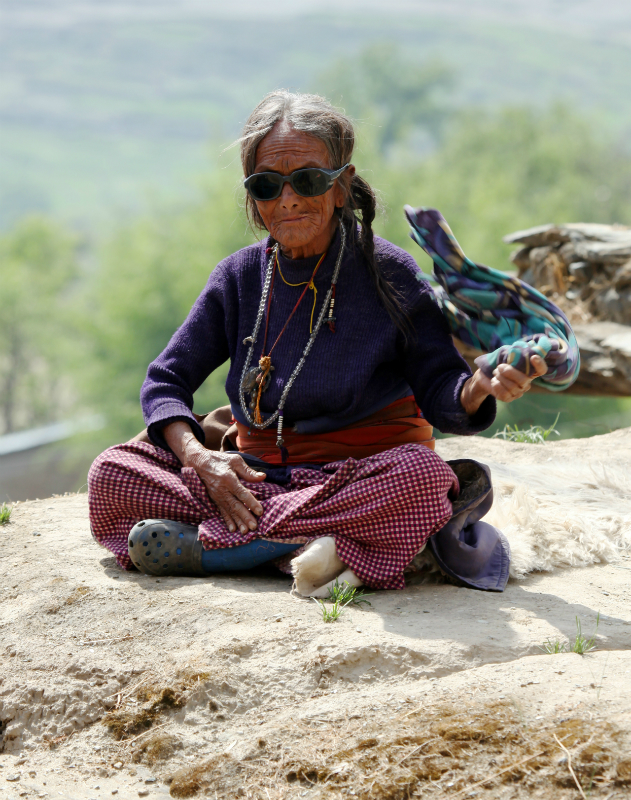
348	375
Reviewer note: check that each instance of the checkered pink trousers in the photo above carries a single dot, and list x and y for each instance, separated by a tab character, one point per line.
381	510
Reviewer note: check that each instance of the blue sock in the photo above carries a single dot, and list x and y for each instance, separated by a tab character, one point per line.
244	556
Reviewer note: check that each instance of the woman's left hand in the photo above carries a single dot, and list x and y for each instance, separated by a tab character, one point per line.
507	384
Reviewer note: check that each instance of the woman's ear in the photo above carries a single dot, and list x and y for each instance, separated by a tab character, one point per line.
343	188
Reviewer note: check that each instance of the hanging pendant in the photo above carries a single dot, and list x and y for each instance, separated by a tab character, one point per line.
262	381
248	384
254	380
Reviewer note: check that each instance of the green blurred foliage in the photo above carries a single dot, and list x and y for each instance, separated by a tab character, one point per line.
499	172
394	96
97	113
492	174
578	416
38	264
149	276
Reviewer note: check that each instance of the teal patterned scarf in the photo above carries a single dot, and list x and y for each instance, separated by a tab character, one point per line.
494	312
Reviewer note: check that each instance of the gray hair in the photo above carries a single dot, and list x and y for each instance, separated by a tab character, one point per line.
312	114
308	113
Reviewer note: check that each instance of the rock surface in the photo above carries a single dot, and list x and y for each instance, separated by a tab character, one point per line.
228	684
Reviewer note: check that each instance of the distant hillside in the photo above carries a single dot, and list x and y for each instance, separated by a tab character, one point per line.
104	105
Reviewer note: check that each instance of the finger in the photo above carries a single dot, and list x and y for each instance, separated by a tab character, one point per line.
225	514
504	390
234	486
510	374
244	471
220	498
539	365
239	501
246	497
228	506
244	519
507	380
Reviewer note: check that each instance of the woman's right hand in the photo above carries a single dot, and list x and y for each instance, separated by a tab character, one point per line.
221	474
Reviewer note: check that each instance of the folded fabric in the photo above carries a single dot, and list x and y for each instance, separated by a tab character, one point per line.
495	312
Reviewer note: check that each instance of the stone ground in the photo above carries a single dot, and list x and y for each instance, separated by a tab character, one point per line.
119	684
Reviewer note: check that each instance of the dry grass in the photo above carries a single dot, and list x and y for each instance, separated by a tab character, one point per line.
623	771
157	748
55	741
452	750
78	594
127	721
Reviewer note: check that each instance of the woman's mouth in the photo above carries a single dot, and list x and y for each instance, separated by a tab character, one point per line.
298	218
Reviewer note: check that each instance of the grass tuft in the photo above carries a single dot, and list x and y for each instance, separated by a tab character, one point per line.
128	723
581	645
330	614
535	434
340	597
348	595
159	747
551	647
5	513
158	699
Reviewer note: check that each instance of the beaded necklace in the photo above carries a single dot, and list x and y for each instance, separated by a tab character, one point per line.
258	377
265	361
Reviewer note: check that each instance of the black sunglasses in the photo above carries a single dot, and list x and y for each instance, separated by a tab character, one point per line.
309	182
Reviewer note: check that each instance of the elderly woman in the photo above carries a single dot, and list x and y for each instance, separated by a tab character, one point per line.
340	363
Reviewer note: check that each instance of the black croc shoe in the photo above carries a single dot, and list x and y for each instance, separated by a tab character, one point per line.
164	547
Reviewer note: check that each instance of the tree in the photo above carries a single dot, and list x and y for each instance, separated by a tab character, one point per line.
393	94
148	277
497	172
37	267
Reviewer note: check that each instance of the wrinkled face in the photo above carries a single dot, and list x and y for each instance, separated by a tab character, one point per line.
303	225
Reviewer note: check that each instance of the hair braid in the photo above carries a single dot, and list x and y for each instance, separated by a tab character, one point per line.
363	200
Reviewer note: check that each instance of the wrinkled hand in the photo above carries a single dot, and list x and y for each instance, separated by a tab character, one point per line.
221	474
507	384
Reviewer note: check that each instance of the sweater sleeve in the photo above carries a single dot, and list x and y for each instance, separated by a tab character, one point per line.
437	372
196	349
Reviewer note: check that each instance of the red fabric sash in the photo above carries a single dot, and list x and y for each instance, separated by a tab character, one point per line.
399	423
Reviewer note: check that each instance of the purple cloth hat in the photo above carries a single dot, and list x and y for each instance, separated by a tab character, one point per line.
471	551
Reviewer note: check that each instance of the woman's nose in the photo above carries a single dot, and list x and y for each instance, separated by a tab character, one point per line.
288	198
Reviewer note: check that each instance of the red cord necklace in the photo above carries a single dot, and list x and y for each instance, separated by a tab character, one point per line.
265	361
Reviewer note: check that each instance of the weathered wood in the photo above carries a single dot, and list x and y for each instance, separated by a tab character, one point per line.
583	267
538	237
612	252
542	235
